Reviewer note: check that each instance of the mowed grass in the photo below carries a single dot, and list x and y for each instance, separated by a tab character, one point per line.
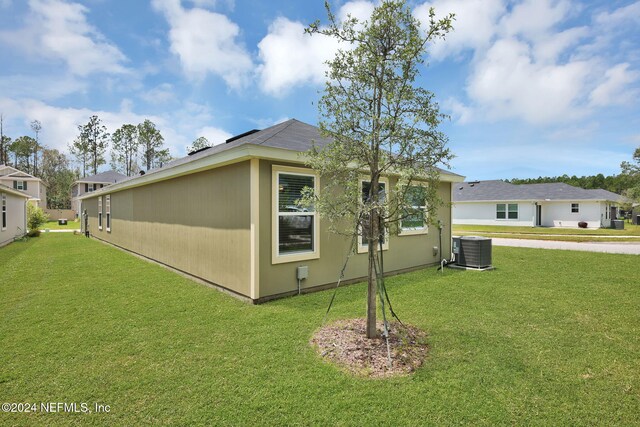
631	233
53	225
548	338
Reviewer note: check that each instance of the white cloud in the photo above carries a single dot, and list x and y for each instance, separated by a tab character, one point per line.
506	82
206	42
292	58
58	29
474	25
214	135
161	94
623	15
614	88
534	18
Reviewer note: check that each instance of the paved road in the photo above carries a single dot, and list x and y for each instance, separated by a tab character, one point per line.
632	248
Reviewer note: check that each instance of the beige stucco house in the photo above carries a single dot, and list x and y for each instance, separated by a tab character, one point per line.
92	183
26	183
13	214
225	216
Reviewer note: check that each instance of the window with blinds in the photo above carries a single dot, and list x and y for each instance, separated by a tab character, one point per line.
295	224
100	213
108	203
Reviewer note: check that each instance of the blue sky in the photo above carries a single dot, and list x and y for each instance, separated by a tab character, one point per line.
533	87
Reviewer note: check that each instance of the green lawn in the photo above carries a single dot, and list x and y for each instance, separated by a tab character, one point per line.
548	338
53	225
562	234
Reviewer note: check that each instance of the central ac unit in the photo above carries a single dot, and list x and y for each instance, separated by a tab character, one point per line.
472	251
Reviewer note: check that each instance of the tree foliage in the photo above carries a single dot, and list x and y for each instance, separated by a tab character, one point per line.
35	219
95	139
58	177
124	150
615	183
198	144
151	145
381	123
632	172
22	149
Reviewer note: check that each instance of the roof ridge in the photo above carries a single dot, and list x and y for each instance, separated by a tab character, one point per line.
286	124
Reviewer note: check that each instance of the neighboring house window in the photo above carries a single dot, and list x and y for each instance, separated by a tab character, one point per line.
575	207
295	229
20	185
415	219
100	213
4	212
108	197
89	188
365	187
507	210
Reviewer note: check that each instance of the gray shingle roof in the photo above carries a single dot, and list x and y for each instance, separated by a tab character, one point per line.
291	135
104	177
497	190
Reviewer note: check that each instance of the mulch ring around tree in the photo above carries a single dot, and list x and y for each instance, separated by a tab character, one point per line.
345	344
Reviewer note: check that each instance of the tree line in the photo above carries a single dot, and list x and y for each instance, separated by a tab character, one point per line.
133	148
618	184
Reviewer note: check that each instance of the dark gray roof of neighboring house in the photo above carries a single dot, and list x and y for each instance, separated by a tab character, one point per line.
291	135
104	177
497	190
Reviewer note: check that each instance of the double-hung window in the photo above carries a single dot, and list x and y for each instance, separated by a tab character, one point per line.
4	211
575	208
20	185
108	202
295	228
414	219
507	210
100	213
365	189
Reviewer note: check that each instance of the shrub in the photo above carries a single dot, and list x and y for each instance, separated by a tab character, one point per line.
35	219
582	224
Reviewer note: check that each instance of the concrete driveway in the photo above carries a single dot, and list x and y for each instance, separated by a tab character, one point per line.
630	248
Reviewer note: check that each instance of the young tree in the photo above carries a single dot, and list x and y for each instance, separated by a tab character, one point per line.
380	122
198	144
124	150
95	137
36	126
151	143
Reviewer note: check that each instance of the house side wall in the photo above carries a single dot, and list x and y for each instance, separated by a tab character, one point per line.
484	213
16	218
405	252
558	214
198	223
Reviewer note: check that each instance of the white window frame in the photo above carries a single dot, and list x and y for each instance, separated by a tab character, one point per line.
276	257
577	208
507	211
100	213
108	203
20	185
412	231
5	214
364	248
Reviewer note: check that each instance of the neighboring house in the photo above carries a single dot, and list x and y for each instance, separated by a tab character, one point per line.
497	202
228	215
28	184
89	184
13	211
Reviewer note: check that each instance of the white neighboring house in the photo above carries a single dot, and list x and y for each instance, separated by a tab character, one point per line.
92	183
496	202
13	214
26	183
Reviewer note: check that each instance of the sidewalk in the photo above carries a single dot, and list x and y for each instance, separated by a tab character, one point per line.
631	248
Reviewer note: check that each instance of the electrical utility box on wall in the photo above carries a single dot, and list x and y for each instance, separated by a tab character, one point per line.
302	272
472	251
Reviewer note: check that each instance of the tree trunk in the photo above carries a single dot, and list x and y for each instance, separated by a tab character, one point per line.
373	237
